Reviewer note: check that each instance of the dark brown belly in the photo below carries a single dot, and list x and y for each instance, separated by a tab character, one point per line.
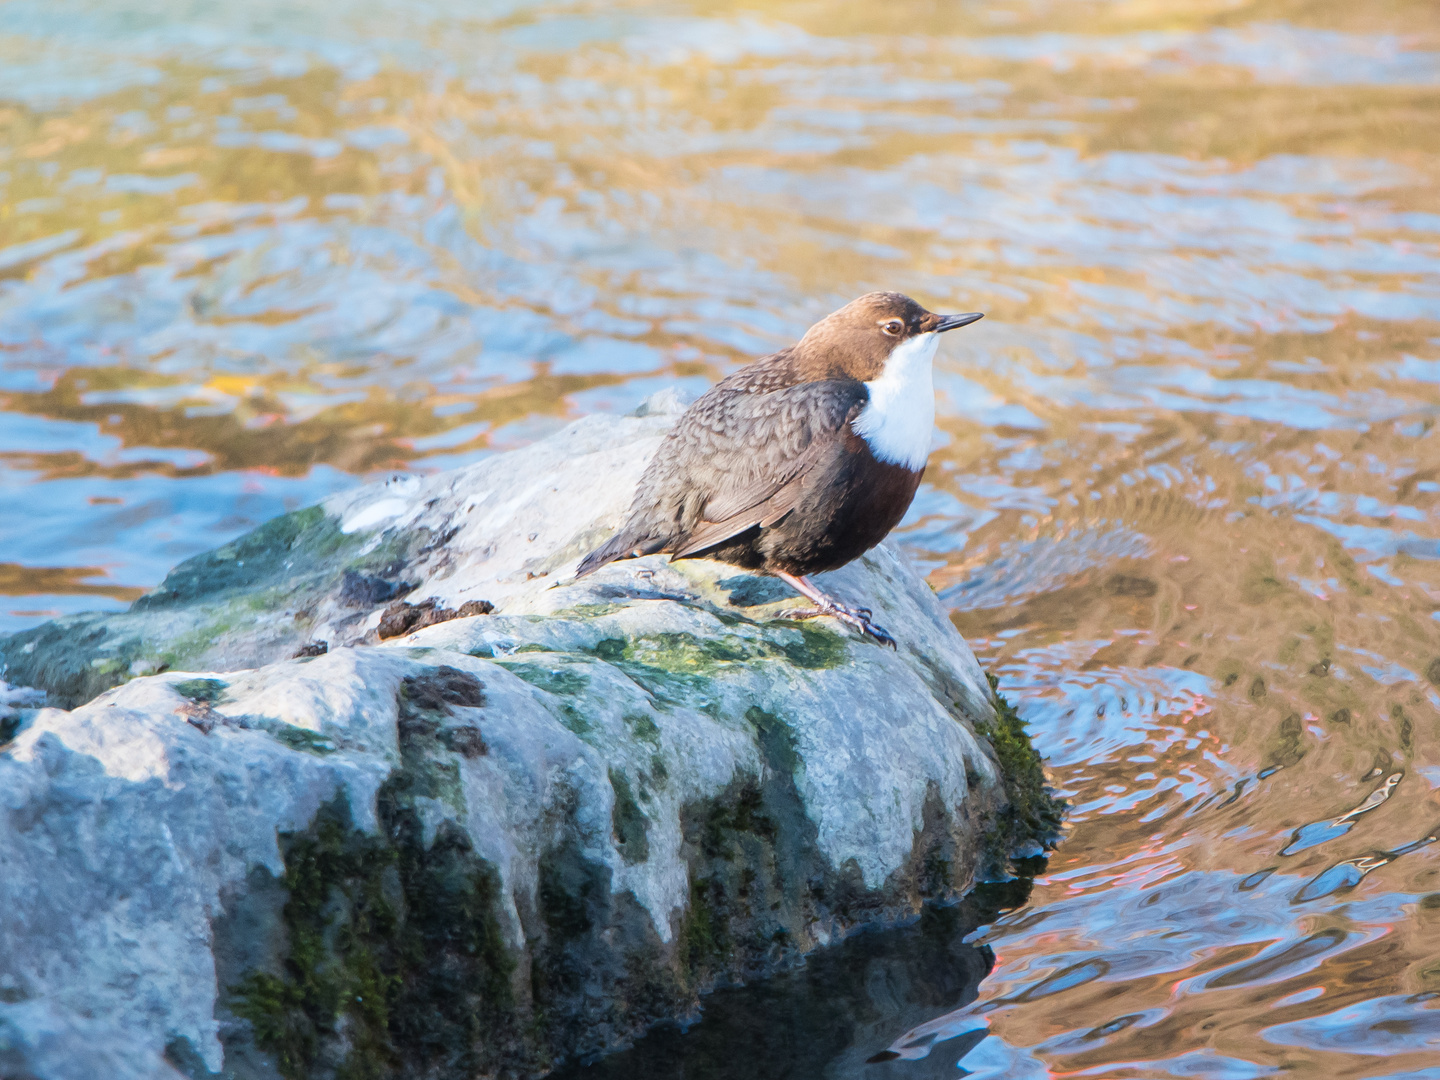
851	505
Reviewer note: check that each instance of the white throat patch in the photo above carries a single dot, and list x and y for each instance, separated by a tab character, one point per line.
899	419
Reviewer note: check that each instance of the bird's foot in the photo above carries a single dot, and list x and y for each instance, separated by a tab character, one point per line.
856	617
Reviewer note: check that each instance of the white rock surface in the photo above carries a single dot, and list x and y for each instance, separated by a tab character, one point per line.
130	824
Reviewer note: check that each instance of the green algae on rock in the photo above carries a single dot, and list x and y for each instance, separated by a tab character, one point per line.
499	842
255	599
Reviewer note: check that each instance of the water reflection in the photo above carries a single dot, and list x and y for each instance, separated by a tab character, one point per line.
1321	832
1185	498
834	1017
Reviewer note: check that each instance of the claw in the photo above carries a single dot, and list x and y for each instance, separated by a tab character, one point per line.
865	626
880	634
856	617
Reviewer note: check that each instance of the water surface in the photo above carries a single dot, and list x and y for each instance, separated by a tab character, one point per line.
1185	499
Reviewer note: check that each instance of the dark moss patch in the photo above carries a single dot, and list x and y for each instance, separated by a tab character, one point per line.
1032	813
643	727
628	822
817	648
573	719
397	962
334	878
181	1055
757	881
725	650
208	691
744	812
939	873
73	659
459	999
611	649
396	958
598	967
292	542
298	738
669	689
777	739
553	680
702	936
572	892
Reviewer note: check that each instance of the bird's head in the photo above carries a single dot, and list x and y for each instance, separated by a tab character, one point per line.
860	339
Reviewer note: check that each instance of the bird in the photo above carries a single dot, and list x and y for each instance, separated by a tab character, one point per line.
801	461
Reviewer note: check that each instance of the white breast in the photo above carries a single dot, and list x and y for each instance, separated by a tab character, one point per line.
898	420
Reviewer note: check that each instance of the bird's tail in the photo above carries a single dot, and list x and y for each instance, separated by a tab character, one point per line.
623	545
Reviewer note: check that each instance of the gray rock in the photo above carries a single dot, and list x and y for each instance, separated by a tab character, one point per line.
487	845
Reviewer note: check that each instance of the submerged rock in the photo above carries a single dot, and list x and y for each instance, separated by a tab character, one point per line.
258	840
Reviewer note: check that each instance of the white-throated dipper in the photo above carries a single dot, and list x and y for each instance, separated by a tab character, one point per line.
801	461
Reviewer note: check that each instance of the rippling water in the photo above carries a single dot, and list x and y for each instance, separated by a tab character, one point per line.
1186	498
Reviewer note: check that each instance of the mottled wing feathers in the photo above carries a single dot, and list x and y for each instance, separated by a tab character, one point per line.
746	456
737	458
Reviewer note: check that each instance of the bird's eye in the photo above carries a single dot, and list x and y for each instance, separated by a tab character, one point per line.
893	327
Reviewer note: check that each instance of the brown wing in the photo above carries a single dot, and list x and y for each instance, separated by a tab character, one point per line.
746	455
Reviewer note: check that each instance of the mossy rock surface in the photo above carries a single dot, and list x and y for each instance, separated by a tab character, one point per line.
502	842
255	600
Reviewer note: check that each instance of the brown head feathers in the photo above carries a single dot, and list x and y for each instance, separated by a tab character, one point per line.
855	341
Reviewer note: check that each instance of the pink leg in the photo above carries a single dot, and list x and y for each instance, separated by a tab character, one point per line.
826	605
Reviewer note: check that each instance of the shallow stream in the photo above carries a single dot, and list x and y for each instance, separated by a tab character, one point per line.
1185	499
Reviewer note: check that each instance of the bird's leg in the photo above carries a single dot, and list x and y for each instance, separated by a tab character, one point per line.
827	605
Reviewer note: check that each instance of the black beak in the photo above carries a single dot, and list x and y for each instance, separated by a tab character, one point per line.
953	322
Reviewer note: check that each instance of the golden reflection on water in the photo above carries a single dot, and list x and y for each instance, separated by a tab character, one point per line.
1187	504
